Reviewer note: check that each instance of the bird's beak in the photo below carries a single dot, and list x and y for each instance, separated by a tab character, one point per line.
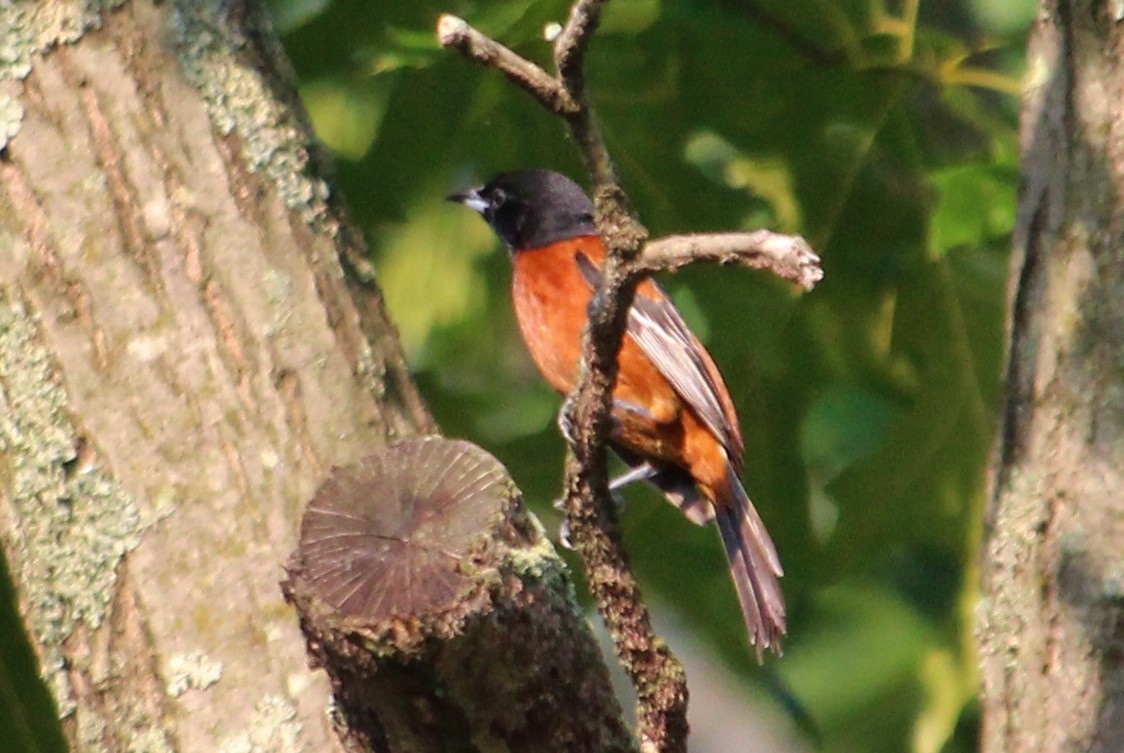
470	198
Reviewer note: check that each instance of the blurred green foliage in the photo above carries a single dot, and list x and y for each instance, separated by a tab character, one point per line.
882	132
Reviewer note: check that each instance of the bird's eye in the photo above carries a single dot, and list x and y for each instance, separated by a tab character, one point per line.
498	198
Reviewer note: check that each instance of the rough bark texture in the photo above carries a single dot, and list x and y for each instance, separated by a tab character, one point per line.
443	615
188	342
1052	626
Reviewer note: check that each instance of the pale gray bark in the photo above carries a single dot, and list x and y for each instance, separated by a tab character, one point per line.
1051	627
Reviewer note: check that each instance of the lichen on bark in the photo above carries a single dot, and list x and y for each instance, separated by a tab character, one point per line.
218	58
73	523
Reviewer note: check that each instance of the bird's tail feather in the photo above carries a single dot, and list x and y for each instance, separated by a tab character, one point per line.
754	567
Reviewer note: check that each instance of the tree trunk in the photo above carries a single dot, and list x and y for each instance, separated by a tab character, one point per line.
189	340
1052	625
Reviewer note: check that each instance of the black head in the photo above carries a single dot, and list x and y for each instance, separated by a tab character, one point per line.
532	208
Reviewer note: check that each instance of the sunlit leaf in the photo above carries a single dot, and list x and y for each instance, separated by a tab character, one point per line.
290	15
946	692
769	179
404	48
975	205
1003	15
346	116
855	655
629	16
427	270
843	426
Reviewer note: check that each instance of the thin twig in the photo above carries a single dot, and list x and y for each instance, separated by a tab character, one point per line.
570	47
787	256
459	34
569	61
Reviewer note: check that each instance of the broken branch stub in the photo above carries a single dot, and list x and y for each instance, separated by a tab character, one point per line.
441	613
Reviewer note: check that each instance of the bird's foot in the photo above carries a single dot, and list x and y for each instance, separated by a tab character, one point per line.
639	473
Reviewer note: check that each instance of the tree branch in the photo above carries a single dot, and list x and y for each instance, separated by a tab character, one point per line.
787	256
656	674
570	47
460	35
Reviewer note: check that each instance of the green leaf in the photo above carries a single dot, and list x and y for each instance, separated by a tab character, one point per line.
346	116
976	204
290	15
866	644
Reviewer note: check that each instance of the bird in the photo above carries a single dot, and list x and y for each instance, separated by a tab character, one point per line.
673	422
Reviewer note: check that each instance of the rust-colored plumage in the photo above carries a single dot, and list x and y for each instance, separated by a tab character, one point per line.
672	412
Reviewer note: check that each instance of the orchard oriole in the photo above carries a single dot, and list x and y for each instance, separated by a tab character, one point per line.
673	421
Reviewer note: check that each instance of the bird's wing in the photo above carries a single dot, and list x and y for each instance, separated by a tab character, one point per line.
658	328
